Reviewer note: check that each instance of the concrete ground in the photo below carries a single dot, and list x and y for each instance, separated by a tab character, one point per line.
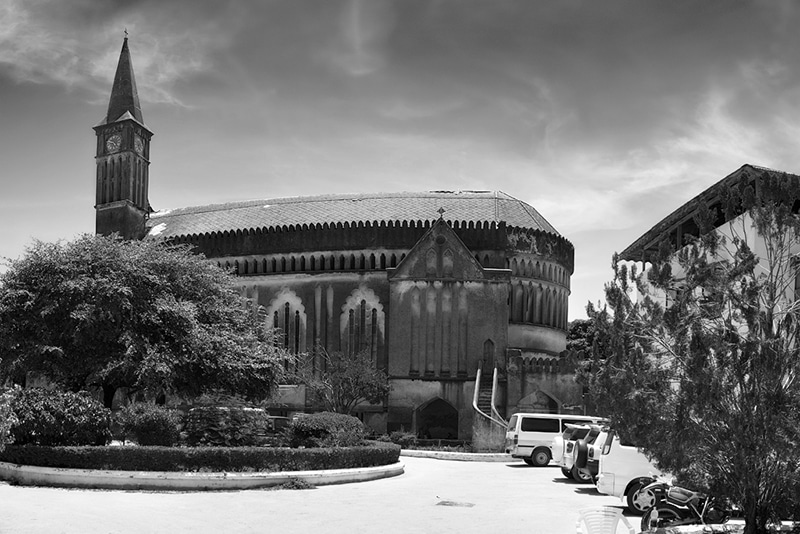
433	496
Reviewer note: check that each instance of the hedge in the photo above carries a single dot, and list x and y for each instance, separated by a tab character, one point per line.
53	417
150	424
207	459
326	429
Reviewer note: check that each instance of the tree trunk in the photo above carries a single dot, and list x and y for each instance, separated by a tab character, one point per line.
755	518
108	395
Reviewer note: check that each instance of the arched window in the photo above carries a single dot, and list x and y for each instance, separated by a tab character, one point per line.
289	321
488	357
361	323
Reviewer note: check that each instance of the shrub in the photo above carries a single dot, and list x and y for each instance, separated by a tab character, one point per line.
7	417
59	418
326	429
405	439
229	426
149	424
207	459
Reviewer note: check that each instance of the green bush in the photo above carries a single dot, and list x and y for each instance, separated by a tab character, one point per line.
59	418
7	417
205	459
150	424
326	429
405	439
229	426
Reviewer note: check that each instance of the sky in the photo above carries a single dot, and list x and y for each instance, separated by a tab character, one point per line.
603	115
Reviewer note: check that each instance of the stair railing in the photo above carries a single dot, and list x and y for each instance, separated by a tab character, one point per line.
498	422
495	413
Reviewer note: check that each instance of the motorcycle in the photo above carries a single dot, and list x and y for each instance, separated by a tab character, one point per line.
675	506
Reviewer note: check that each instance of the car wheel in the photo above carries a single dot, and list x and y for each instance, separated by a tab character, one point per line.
639	501
577	476
540	457
566	472
667	514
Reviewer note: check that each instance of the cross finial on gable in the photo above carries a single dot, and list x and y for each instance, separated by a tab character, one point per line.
126	33
441	212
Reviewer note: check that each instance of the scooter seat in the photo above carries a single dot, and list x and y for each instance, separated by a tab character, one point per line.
682	495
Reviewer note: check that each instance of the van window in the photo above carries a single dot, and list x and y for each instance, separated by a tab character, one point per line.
531	424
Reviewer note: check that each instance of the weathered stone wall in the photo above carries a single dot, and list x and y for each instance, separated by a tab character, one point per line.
548	340
487	436
542	383
430	302
339	311
409	397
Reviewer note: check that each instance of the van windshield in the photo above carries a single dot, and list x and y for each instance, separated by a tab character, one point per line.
512	423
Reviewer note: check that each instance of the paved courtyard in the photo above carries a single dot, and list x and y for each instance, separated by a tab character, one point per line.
433	496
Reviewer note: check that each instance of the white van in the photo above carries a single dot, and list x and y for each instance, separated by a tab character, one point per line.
530	435
624	471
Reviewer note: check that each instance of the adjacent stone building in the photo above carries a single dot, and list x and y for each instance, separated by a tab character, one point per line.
434	285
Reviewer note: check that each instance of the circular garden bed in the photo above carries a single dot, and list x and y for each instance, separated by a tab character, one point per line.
203	459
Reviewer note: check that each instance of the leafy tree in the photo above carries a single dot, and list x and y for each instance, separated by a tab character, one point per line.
581	335
702	369
341	382
102	312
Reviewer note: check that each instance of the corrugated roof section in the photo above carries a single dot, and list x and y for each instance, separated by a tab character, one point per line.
489	206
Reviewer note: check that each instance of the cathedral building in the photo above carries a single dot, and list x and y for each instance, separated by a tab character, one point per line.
460	296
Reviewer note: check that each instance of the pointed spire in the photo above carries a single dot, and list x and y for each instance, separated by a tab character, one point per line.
124	97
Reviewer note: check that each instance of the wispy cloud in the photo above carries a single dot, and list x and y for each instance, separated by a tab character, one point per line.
365	25
36	46
32	50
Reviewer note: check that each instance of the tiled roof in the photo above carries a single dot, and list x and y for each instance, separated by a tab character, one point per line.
490	206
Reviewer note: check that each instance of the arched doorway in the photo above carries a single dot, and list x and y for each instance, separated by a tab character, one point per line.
538	402
437	419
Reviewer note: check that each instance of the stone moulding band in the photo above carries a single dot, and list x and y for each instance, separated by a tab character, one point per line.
28	475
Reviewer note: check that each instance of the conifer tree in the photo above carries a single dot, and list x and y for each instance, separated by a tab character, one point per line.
699	362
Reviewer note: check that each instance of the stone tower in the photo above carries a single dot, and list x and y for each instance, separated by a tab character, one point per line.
123	158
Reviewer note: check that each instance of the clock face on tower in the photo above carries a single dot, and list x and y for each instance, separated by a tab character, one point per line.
113	143
138	145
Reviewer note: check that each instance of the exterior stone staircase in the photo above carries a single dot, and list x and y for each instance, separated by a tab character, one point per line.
485	395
